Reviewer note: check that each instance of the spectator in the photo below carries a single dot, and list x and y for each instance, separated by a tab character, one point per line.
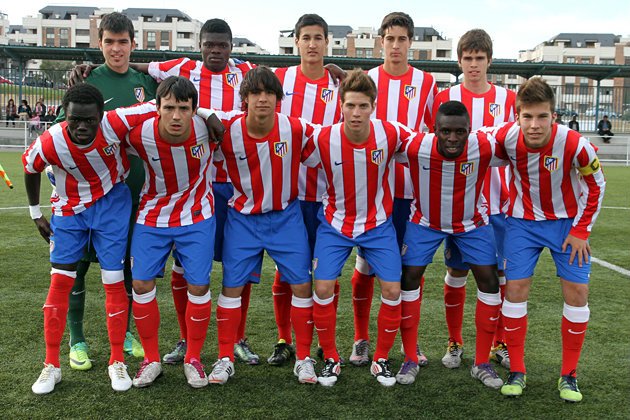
603	129
50	117
39	109
11	112
44	108
559	120
24	111
574	124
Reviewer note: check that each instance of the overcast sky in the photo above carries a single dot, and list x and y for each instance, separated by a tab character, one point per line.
513	25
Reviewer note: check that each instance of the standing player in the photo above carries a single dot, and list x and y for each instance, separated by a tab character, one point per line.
448	169
91	201
556	192
405	94
488	106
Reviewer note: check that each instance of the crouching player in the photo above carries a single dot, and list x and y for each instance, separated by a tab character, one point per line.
357	159
447	170
556	193
91	200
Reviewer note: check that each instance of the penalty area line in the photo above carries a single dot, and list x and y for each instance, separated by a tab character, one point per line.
610	266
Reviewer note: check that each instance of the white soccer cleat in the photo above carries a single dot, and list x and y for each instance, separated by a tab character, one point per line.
453	357
120	378
382	371
147	374
195	375
305	371
330	373
47	380
222	370
360	353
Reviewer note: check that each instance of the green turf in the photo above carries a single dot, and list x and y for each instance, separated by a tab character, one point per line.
264	391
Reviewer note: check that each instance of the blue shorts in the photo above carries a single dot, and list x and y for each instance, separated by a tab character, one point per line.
453	257
476	246
525	240
310	210
222	191
106	223
281	233
151	246
379	247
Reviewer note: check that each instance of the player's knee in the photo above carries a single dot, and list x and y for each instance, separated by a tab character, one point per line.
324	289
141	287
65	267
411	277
197	290
455	272
517	290
304	290
575	294
390	290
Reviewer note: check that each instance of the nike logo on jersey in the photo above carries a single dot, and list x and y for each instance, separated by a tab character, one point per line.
242	158
72	167
179	288
289	93
391	331
78	293
116	313
576	332
196	79
511	329
108	100
192	318
140	317
154	159
338	163
426	168
496	318
512	157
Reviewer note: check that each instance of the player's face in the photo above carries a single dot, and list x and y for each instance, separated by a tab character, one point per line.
215	50
116	49
261	103
175	118
474	65
536	121
452	134
312	44
83	121
396	44
357	108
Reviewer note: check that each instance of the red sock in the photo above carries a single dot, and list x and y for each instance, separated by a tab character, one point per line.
302	321
336	296
388	324
362	293
326	323
228	320
409	322
515	333
240	333
55	312
454	298
572	340
282	307
147	317
499	333
179	286
197	320
116	306
486	317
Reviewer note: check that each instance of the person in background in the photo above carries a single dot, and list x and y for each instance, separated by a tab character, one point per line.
603	129
11	112
574	124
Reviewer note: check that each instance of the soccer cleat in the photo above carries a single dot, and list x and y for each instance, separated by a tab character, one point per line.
500	355
422	358
120	378
47	380
407	373
320	355
177	355
360	353
282	352
487	375
382	371
195	375
453	357
132	347
147	374
222	370
305	371
244	353
514	385
79	358
330	373
567	385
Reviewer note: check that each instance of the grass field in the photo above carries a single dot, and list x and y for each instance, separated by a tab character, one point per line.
264	391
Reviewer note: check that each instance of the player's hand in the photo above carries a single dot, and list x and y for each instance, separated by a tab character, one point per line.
216	130
579	248
43	227
79	73
337	73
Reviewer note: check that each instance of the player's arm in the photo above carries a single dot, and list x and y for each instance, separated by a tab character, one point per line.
34	163
499	158
336	72
116	124
216	121
161	70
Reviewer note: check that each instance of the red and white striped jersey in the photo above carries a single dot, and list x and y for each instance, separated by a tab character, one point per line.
317	101
489	109
85	174
264	172
447	192
407	99
177	189
360	190
561	180
216	90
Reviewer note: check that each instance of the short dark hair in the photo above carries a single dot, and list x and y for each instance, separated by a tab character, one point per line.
475	40
358	81
218	26
453	108
84	94
308	20
397	19
259	79
181	88
116	23
535	91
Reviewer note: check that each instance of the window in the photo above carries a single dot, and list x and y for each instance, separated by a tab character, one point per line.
50	37
423	55
442	54
339	51
150	40
570	60
410	54
368	53
360	53
64	40
586	61
184	35
82	32
164	39
569	88
607	61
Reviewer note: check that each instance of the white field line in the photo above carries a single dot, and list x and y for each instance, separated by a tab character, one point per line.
616	208
610	266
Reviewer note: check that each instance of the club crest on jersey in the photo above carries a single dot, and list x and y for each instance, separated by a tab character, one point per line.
410	92
139	93
109	150
551	163
280	148
467	168
197	151
494	109
377	156
231	79
327	95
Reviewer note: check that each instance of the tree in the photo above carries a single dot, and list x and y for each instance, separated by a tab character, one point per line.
56	71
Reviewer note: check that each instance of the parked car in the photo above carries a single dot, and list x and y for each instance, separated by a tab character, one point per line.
564	112
5	80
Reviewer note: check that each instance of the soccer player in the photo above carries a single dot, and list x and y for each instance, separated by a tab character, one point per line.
121	86
176	209
91	201
448	169
488	106
556	191
310	93
405	94
357	158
